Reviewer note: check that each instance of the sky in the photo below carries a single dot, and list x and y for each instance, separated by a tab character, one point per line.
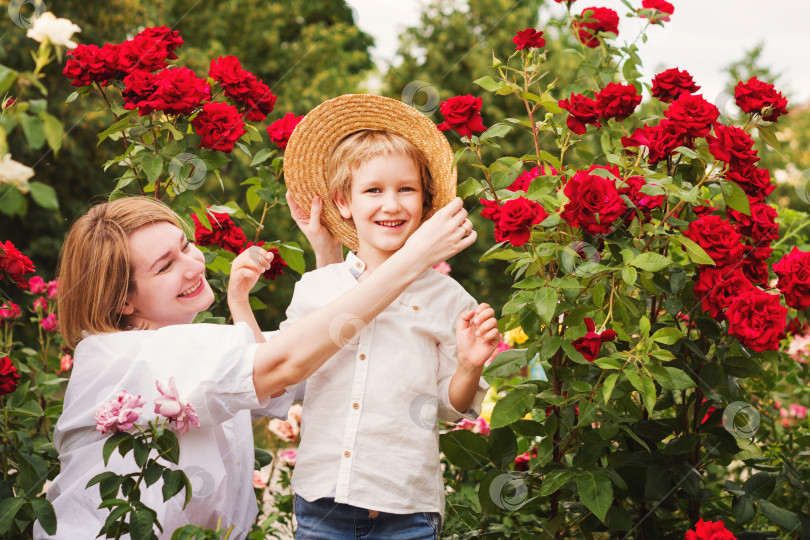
702	37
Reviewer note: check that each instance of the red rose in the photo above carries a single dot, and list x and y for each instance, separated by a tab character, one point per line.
87	64
672	84
594	203
660	140
462	114
177	91
529	38
517	216
235	81
594	20
492	211
280	130
522	461
8	376
583	110
224	234
718	287
590	343
732	145
794	278
142	53
718	239
219	126
754	181
755	265
761	225
709	530
9	310
276	265
522	182
138	87
663	10
631	189
757	319
617	101
692	116
15	264
761	98
170	39
259	102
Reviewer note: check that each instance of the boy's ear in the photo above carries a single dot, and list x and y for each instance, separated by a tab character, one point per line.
129	307
342	206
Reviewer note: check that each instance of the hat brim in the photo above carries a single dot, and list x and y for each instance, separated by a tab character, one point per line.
315	137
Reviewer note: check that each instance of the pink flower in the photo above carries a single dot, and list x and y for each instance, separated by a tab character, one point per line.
799	348
9	310
289	457
258	481
66	363
120	413
41	303
295	413
798	411
52	288
479	425
36	285
286	430
443	268
177	410
49	323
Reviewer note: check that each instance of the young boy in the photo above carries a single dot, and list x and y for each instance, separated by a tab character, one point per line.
368	464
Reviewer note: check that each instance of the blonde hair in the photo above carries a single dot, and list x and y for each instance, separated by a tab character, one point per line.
94	268
363	146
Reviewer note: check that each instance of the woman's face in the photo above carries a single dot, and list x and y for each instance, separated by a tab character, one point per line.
169	276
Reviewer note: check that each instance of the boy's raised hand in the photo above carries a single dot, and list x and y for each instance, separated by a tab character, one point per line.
246	269
477	337
327	249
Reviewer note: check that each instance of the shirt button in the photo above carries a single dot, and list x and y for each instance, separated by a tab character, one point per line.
347	453
358	265
355	405
362	357
416	308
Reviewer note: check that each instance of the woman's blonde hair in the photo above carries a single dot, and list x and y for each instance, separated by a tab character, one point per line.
94	268
363	146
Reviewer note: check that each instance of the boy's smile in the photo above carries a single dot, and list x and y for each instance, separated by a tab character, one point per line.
386	206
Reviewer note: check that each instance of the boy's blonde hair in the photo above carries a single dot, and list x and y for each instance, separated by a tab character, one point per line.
94	268
363	146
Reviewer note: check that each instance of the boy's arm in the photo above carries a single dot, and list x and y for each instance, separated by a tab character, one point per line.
477	337
327	249
245	271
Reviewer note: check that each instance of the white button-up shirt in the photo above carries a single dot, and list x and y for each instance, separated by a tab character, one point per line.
212	366
369	430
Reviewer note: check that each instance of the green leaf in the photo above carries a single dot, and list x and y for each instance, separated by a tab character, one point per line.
120	125
43	509
696	253
767	135
53	131
8	511
495	132
549	103
595	492
293	256
44	195
554	480
140	524
671	378
488	83
152	167
760	485
467	188
465	449
607	386
744	510
172	483
735	197
514	406
503	446
667	336
650	261
506	364
261	156
7	78
629	275
34	134
545	301
112	443
784	518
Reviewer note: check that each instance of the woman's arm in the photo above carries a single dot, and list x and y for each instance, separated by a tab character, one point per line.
299	350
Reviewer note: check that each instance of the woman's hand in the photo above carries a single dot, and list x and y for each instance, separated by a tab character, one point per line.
246	269
327	249
446	233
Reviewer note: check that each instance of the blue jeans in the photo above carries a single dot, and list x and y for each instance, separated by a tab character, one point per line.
324	519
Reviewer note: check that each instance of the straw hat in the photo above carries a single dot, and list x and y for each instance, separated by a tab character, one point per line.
315	137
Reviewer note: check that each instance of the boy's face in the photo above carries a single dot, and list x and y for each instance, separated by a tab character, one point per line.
386	205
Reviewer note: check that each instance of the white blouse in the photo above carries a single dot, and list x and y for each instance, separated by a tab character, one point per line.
369	431
212	366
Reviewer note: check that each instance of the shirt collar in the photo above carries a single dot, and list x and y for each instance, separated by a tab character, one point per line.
355	264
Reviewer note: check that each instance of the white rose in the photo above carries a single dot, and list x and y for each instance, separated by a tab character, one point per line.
15	173
57	31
